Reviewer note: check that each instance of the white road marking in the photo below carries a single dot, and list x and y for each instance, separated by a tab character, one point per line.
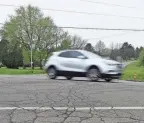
72	108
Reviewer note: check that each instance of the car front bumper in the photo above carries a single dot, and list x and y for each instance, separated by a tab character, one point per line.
113	76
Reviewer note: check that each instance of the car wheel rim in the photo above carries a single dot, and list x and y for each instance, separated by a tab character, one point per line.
51	73
93	74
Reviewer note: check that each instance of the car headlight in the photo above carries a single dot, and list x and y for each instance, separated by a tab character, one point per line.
109	64
120	66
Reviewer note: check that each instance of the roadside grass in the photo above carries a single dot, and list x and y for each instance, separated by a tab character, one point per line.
132	69
128	72
20	71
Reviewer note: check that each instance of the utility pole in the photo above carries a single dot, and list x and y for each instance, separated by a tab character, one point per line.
31	58
31	54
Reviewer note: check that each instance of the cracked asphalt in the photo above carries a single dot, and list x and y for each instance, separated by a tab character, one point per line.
38	91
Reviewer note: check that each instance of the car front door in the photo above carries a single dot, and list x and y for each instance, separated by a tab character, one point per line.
75	62
64	61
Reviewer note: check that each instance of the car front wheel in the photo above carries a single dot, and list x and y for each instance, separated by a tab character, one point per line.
93	74
52	73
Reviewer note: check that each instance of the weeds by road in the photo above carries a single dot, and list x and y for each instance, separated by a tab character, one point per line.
133	71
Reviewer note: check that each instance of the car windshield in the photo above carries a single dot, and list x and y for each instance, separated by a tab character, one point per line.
91	55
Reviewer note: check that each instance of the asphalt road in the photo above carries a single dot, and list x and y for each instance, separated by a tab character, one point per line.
35	99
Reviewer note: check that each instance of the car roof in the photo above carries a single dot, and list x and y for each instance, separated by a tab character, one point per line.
60	51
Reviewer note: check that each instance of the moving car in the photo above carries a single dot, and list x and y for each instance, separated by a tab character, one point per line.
81	63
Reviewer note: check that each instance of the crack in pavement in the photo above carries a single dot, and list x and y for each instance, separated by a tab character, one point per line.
11	116
39	92
84	116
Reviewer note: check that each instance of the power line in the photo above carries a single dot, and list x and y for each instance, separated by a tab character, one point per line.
9	5
109	36
104	3
90	28
79	12
107	29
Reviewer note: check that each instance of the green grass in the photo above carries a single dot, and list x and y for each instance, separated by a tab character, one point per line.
20	71
128	73
131	69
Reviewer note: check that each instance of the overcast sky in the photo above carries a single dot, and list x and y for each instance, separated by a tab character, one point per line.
83	20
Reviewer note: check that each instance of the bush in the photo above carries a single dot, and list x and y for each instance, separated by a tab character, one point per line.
141	58
13	59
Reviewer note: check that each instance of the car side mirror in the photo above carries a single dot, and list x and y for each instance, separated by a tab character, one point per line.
81	57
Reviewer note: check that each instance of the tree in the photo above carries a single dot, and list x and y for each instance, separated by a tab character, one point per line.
13	58
29	28
22	27
89	47
131	51
115	54
99	47
46	39
115	50
138	51
127	51
10	54
65	44
3	48
141	58
77	42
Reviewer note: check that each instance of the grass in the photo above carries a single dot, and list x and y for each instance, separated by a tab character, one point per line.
128	73
132	69
20	71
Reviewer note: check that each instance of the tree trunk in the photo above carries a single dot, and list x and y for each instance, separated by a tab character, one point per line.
24	67
33	66
41	67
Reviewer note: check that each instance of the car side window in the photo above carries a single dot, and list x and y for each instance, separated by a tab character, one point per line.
75	54
65	54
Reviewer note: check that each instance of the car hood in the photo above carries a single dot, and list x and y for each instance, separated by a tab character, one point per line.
110	61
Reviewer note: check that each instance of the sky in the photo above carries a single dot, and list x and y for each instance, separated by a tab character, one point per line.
132	8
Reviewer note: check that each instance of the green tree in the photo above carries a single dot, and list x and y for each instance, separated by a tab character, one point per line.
29	28
127	51
3	48
13	58
65	44
141	58
10	54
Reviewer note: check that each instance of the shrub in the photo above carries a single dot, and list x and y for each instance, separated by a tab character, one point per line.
13	59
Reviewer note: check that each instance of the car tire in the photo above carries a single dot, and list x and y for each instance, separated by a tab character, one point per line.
68	77
108	79
93	74
52	73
